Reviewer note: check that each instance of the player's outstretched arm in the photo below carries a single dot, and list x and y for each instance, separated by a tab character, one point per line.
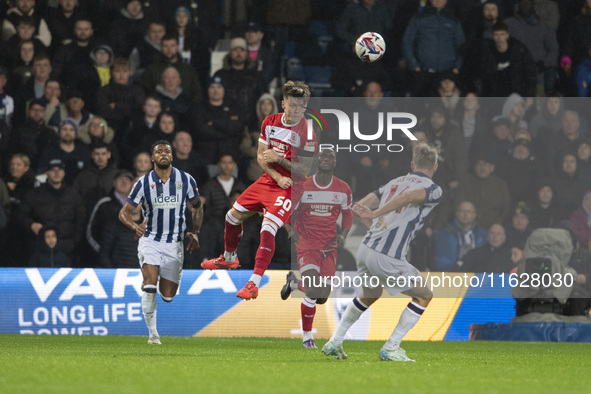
415	196
125	218
283	181
197	215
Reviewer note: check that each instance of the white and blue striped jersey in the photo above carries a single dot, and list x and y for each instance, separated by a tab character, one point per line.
390	234
164	204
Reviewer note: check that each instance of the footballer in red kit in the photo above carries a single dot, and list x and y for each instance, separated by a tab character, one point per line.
320	200
285	152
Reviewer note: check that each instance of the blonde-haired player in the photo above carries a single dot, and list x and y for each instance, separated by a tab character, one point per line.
398	211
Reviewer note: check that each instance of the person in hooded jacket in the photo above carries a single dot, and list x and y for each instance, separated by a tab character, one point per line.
47	254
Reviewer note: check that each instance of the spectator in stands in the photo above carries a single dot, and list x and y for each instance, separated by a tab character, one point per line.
568	188
219	122
25	30
444	135
547	123
119	100
489	193
19	181
360	17
96	181
103	220
460	236
74	109
499	141
216	195
142	164
243	84
432	43
521	171
143	124
6	101
22	69
545	211
56	205
119	244
126	32
539	38
72	153
186	159
47	253
520	227
76	53
33	136
548	12
173	99
513	109
97	130
25	7
567	139
147	51
195	46
584	160
35	86
89	76
266	105
583	75
165	130
351	76
480	27
61	22
448	89
495	256
574	47
170	57
470	118
581	220
55	110
265	59
506	66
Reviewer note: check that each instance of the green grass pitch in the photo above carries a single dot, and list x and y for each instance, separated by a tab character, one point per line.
117	364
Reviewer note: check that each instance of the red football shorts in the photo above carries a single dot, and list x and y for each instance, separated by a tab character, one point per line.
267	197
323	263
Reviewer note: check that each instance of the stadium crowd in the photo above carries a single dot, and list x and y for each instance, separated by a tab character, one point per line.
86	86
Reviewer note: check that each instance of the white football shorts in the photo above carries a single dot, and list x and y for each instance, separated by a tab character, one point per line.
396	276
168	256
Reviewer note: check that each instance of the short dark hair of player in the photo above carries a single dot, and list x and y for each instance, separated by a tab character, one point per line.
160	142
329	150
296	89
500	26
424	156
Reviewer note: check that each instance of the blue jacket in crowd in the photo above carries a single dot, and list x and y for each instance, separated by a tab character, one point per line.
451	244
433	41
583	78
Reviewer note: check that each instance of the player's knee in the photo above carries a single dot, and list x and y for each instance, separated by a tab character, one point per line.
234	217
166	299
320	301
270	227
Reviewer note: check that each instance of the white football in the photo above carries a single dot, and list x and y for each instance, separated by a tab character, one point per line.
370	47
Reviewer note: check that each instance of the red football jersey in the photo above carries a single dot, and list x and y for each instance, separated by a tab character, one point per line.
289	141
318	209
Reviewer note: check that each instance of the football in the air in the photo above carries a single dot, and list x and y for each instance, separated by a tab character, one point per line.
370	47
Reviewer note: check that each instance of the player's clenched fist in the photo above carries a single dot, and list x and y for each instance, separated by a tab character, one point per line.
270	156
284	182
362	211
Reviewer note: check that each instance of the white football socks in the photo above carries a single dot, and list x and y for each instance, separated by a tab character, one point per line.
256	279
409	317
351	315
149	308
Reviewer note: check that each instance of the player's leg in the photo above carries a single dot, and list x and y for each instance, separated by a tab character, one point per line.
365	259
316	292
421	296
149	304
262	260
247	205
